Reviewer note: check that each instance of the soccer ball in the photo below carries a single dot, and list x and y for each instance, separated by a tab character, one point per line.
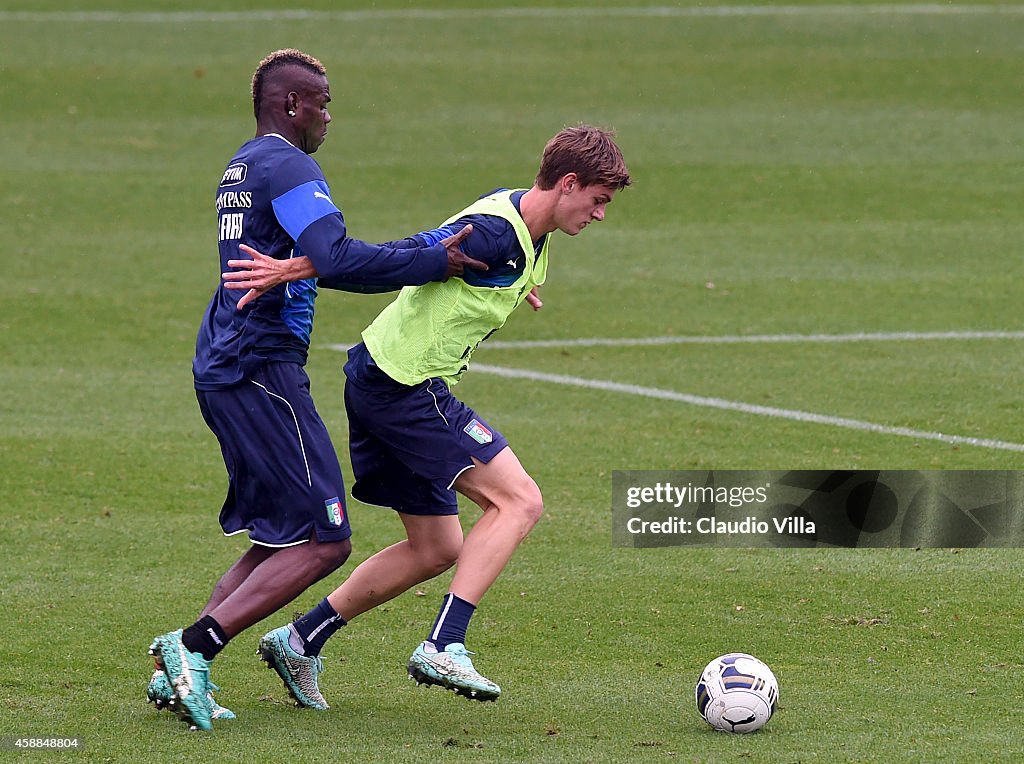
737	693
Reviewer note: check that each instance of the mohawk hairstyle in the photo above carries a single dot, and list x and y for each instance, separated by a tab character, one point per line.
276	60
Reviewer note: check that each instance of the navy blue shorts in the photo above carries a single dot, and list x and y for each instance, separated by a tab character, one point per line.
285	482
409	444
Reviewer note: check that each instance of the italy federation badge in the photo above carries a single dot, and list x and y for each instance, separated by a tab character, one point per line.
478	432
334	511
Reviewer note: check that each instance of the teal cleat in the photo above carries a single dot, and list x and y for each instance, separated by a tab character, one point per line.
160	694
298	672
218	711
189	675
452	669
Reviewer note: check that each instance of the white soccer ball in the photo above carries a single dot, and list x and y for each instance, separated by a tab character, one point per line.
737	693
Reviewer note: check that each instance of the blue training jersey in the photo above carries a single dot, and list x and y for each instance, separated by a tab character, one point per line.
493	241
274	197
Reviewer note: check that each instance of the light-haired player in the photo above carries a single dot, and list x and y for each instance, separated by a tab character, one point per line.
413	444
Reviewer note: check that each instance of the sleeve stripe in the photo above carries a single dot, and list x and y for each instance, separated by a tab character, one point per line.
303	205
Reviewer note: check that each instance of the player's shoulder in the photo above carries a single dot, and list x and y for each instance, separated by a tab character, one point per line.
482	217
496	227
282	166
494	192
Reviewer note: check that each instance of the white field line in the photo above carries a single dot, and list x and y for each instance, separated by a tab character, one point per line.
751	339
446	14
746	408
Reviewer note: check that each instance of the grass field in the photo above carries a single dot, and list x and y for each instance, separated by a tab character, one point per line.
799	170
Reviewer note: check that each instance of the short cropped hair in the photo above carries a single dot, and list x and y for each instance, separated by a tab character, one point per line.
276	60
587	151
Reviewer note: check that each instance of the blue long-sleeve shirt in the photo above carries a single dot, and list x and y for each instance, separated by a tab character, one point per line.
274	197
493	241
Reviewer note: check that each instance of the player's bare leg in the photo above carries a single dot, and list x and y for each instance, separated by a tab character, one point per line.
293	650
259	583
432	546
275	581
160	692
512	505
235	575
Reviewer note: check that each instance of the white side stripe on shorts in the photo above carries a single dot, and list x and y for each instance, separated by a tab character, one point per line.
298	431
438	410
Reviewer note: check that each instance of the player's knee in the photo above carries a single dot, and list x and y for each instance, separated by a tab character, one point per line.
342	553
331	555
529	503
440	557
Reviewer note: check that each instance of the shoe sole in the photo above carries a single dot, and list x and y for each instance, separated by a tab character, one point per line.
160	703
267	655
183	708
421	677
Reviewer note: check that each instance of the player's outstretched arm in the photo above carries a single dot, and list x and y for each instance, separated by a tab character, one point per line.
372	283
262	273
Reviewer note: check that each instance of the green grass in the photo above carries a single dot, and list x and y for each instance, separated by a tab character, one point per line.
794	174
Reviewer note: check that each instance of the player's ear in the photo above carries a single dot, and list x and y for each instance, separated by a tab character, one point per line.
570	181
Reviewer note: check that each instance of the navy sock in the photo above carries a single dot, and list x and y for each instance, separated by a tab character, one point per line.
205	636
452	621
317	626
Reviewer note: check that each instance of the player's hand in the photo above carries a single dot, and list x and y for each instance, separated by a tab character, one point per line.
534	299
262	273
457	260
253	275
